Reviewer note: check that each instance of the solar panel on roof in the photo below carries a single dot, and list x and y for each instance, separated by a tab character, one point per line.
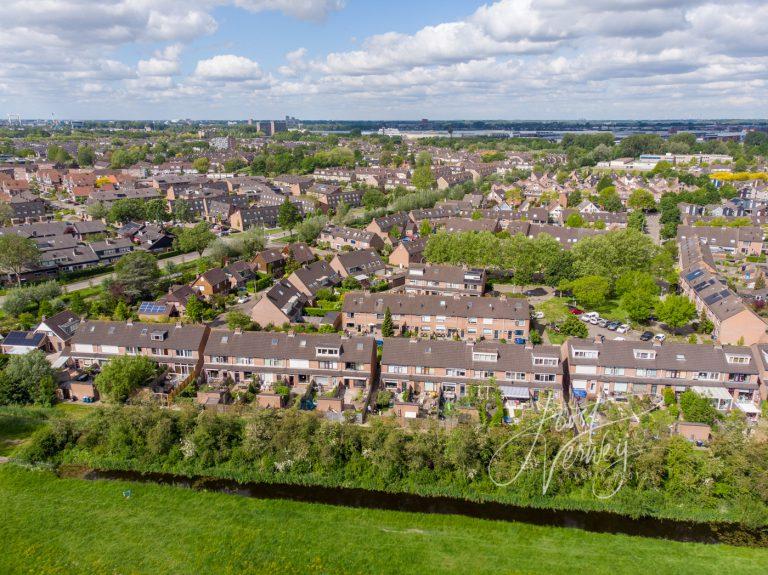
725	293
714	298
694	274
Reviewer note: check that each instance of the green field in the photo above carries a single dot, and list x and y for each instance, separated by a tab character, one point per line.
53	525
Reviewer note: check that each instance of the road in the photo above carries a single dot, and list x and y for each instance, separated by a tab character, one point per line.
653	226
179	259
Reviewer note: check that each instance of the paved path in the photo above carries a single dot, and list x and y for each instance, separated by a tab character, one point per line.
653	226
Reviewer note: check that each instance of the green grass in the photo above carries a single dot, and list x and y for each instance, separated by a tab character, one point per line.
68	526
17	424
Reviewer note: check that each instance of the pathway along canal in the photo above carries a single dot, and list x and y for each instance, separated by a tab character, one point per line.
595	521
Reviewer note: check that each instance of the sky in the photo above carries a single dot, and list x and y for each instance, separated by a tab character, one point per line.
383	59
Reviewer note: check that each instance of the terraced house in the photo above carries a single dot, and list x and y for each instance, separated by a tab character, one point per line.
727	375
176	347
444	280
431	368
443	316
295	360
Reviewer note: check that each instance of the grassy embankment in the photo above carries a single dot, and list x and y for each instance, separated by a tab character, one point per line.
68	526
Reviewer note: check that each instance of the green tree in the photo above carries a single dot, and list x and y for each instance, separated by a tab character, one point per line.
697	409
374	198
639	304
387	330
641	200
288	215
17	254
127	210
636	221
28	378
137	273
636	280
77	304
574	220
675	311
123	375
195	239
425	228
155	210
422	178
6	214
202	165
609	200
122	312
573	327
591	291
97	211
195	309
574	198
182	212
85	155
238	320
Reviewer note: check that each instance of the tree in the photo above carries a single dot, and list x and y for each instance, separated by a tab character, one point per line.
154	210
137	273
195	309
641	199
85	155
574	198
675	311
591	291
201	165
28	378
238	320
574	220
77	304
425	228
386	326
182	212
97	211
609	200
288	215
127	210
195	239
636	280
760	281
422	178
6	214
374	198
122	312
309	230
639	304
636	221
17	253
122	375
604	182
573	327
697	409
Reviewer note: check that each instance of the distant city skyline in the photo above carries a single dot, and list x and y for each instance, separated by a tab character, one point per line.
384	60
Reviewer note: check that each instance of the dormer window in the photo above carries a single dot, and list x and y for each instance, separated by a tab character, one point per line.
741	359
550	361
158	335
644	354
327	351
585	353
484	356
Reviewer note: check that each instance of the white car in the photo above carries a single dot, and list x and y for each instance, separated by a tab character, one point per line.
619	338
243	299
623	328
660	337
538	315
595	320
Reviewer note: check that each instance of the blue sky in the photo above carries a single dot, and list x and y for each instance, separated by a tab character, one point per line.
375	59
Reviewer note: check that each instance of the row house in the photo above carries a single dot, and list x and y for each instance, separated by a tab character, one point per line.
434	215
427	315
294	185
28	211
434	368
471	225
444	280
270	261
359	264
300	252
329	197
313	277
733	321
111	249
176	347
213	282
567	237
260	216
340	175
108	197
408	252
746	240
281	304
611	369
340	236
612	220
392	226
323	362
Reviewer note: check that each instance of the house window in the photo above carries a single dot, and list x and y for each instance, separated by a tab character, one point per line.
614	371
397	369
644	354
480	356
184	352
421	370
544	377
742	359
426	318
708	375
455	372
585	353
551	361
646	372
271	362
328	351
515	375
245	360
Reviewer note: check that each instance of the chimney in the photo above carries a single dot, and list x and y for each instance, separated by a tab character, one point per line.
238	331
529	345
599	339
129	323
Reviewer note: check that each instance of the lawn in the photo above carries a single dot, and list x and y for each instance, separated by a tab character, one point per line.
56	525
18	423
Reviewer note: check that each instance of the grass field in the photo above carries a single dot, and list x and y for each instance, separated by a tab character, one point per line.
18	423
68	526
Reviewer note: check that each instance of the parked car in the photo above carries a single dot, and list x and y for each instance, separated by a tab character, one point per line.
602	322
660	337
538	315
243	299
575	310
613	325
588	316
623	328
646	336
595	320
619	338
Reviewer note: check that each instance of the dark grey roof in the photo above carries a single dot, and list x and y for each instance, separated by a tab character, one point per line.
137	334
453	306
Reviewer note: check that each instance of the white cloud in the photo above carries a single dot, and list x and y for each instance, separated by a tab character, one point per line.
228	67
303	9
